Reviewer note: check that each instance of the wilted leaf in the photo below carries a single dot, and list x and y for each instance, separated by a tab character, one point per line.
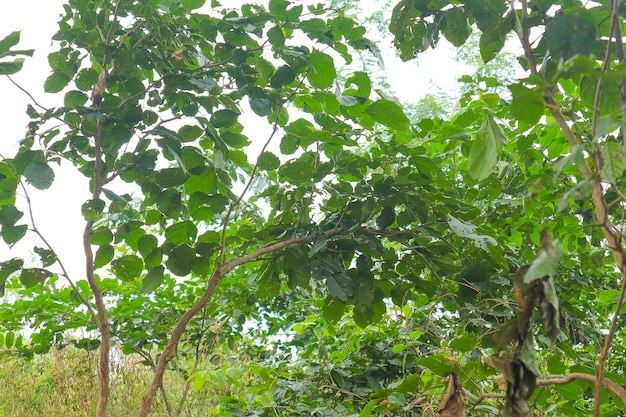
550	306
544	264
453	404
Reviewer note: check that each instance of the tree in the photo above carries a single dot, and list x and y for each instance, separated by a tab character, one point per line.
350	215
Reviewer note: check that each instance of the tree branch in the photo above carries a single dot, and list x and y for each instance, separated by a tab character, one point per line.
614	388
235	204
103	321
611	233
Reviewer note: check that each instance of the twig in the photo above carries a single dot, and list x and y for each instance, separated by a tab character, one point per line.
235	204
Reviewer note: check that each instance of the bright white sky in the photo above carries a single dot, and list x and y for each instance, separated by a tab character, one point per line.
57	210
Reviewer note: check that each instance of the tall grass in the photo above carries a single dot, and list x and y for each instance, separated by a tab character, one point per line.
63	383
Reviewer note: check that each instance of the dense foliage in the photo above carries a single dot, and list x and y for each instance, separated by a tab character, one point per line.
254	191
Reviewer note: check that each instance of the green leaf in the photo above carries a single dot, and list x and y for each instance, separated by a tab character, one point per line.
410	383
261	105
180	260
608	297
182	232
575	157
322	72
456	28
269	283
146	244
202	179
8	185
127	267
276	36
390	114
362	82
12	67
614	161
39	174
104	255
9	41
527	104
468	230
8	340
340	286
297	172
268	161
570	35
46	255
152	280
289	144
13	234
56	82
284	75
29	277
6	269
465	343
192	4
92	209
101	237
171	177
169	202
580	191
369	408
189	133
333	309
224	118
491	43
386	218
528	356
483	155
74	99
438	363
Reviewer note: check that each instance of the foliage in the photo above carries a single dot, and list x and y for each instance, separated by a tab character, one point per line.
359	255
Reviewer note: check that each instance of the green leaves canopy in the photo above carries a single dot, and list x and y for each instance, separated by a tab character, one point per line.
344	211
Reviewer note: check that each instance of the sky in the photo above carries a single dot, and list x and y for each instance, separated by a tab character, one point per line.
57	210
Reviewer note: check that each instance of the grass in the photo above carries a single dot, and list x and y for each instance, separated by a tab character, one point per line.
64	383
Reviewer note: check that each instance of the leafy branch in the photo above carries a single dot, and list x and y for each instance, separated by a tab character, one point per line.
611	233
